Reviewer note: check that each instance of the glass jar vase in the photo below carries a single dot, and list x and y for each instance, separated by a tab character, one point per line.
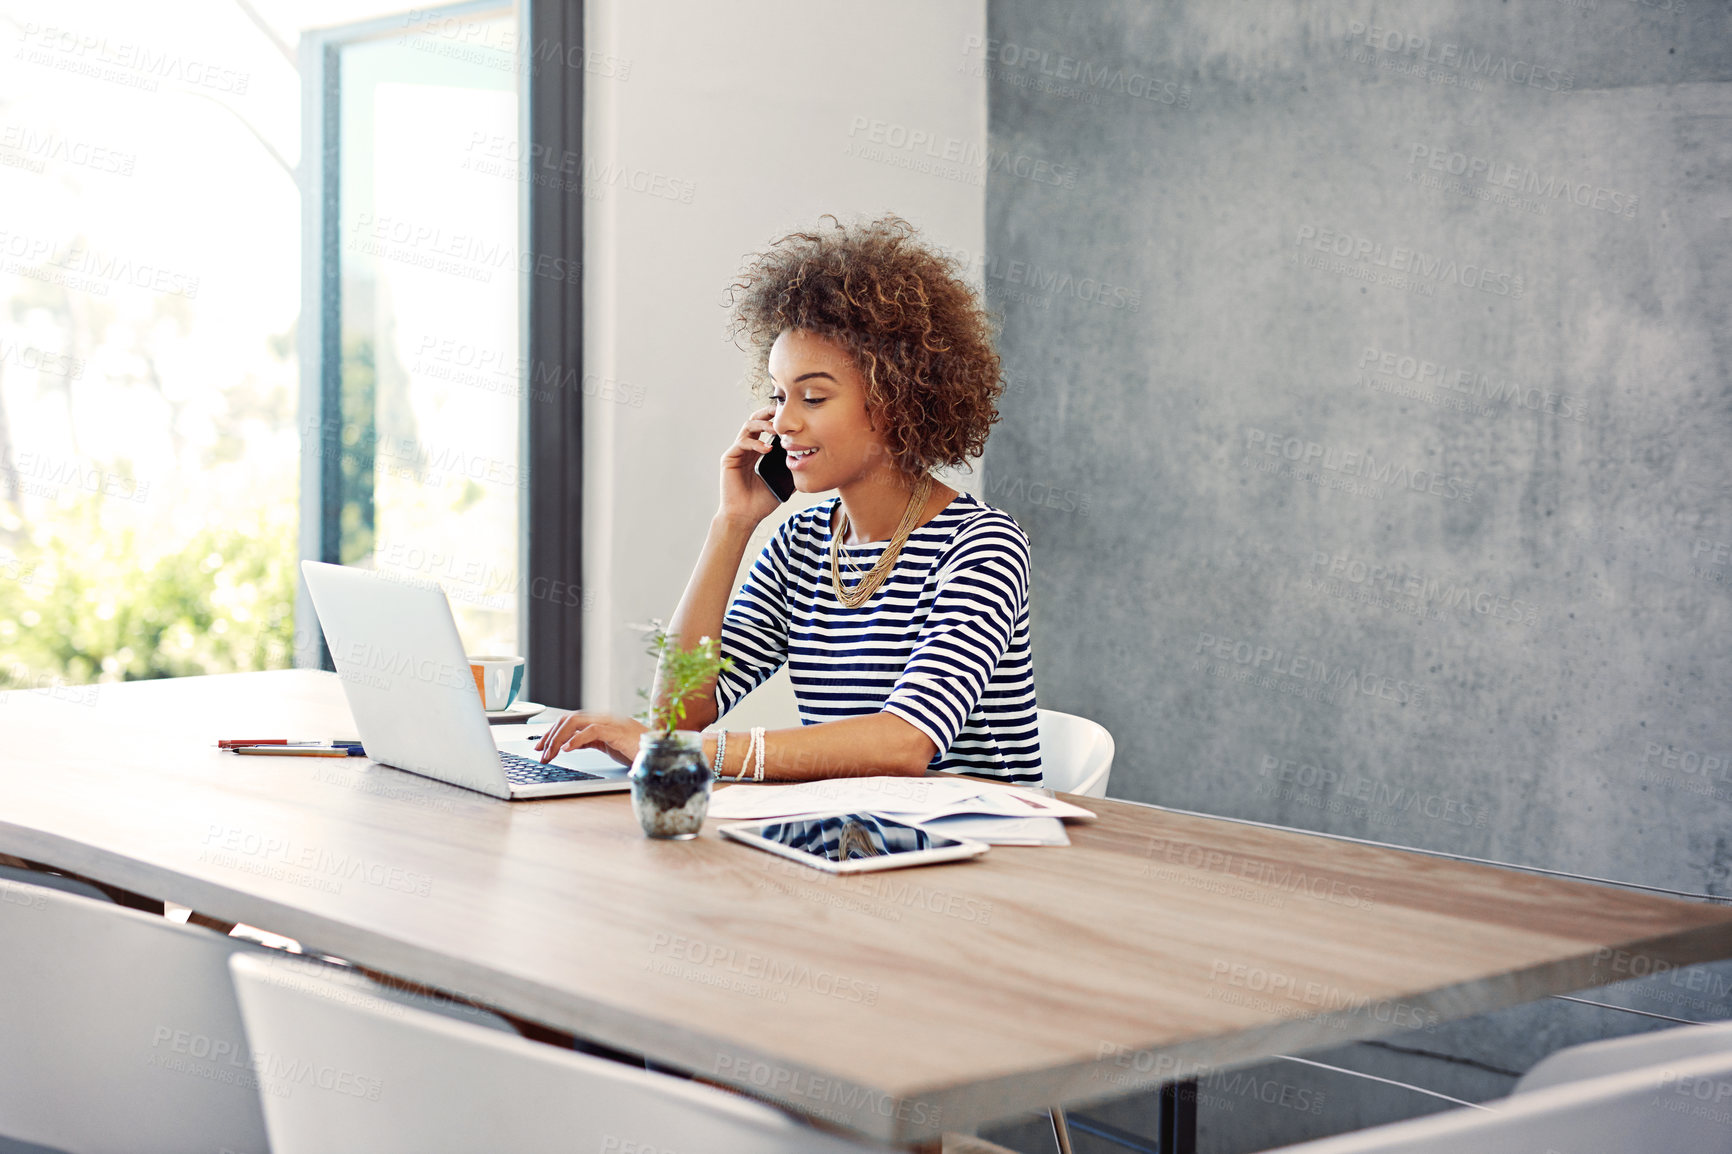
670	784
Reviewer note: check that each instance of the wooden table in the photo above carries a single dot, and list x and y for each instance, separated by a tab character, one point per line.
896	1005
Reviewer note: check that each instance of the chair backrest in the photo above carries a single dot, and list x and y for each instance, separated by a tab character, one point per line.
50	881
1673	1107
341	1069
119	1030
1616	1055
1076	754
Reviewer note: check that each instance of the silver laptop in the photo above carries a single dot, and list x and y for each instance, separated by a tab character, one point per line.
415	701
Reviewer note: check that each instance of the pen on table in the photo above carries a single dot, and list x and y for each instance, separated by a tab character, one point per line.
231	742
284	749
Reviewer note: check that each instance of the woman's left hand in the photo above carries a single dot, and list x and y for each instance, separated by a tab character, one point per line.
618	736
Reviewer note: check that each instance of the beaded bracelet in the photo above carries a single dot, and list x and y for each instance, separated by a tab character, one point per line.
755	756
721	749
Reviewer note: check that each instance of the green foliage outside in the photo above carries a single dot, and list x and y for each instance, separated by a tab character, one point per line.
87	603
355	446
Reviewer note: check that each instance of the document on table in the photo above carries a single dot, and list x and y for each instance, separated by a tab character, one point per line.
984	811
1000	830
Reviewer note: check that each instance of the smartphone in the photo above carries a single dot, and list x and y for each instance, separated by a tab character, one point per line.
773	469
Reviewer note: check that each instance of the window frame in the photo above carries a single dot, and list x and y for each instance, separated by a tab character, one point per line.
550	431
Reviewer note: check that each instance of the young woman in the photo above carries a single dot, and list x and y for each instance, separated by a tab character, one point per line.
901	606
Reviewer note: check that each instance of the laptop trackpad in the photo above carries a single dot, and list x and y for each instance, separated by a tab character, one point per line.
588	760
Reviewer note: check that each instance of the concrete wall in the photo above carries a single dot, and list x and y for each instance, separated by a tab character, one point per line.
771	114
1370	413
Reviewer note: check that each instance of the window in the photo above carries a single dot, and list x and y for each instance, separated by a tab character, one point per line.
413	371
205	374
149	269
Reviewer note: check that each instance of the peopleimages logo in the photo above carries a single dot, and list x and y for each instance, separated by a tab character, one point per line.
43	475
1689	761
1299	668
489	43
1470	384
47	363
406	457
811	1092
1412	262
1521	179
1430	591
88	270
1059	74
1420	51
757	970
498	370
463	254
19	676
1038	493
41	147
1307	456
1291	780
498	154
1027	280
1284	988
928	142
1238	1083
1276	876
952	157
137	65
319	868
1716	552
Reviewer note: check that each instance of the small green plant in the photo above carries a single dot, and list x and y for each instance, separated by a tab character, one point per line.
681	674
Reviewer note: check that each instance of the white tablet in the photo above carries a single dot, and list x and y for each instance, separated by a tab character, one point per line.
849	843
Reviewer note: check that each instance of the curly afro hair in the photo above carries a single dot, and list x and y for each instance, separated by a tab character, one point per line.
918	332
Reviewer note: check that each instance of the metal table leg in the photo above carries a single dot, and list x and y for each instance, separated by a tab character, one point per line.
1178	1119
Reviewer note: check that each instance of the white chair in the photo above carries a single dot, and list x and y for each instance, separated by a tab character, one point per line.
1668	1108
119	1030
1076	754
1617	1055
341	1069
59	882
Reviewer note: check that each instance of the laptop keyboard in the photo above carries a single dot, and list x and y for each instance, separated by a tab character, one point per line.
528	771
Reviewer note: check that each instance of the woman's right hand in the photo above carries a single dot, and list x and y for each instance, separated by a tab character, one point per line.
746	499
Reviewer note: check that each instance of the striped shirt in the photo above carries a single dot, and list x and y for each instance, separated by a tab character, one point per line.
942	643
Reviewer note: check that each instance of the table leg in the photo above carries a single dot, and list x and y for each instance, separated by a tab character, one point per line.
1060	1129
1178	1118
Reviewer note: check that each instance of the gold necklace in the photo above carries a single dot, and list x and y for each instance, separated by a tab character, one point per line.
868	585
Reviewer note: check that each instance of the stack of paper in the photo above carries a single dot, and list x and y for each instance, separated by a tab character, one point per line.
955	806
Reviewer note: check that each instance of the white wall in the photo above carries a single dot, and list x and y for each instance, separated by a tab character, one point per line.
761	107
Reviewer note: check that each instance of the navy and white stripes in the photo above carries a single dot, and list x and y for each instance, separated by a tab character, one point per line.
943	643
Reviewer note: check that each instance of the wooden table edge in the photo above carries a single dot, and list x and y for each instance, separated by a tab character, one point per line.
1123	1067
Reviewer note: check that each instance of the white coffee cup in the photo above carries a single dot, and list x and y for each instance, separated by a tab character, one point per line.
497	679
